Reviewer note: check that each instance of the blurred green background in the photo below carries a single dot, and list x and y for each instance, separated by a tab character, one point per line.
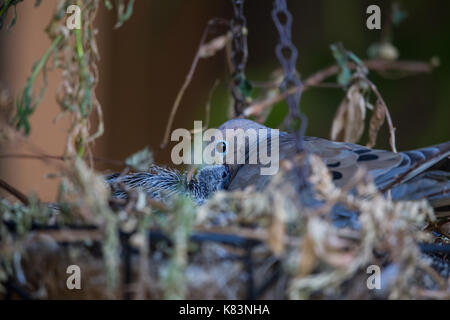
419	104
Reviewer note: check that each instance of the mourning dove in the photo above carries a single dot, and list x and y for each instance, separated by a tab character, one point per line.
407	173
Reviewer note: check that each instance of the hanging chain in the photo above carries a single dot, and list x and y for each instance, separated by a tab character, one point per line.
240	87
287	55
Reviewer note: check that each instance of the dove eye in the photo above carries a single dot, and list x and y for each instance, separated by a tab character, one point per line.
221	146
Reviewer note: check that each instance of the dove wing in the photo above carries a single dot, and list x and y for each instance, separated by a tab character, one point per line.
386	167
343	159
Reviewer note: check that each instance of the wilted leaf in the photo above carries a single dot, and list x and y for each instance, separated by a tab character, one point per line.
325	244
348	123
140	161
123	12
4	7
308	257
277	234
376	121
209	49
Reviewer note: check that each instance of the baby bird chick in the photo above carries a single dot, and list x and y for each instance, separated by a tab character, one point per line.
162	183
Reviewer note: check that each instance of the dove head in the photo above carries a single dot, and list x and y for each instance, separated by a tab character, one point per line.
241	124
208	180
238	143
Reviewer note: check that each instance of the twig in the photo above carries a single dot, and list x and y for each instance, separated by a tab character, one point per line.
60	158
433	273
16	193
318	77
247	233
71	235
431	294
208	106
375	65
188	79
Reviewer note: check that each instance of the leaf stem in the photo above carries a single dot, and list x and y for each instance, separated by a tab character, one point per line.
41	63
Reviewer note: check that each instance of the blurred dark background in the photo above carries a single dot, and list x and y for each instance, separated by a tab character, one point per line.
146	61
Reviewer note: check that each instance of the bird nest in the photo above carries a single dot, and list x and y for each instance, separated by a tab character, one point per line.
246	244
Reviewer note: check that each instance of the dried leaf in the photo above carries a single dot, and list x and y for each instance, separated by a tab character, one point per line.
277	229
348	123
308	257
376	121
209	49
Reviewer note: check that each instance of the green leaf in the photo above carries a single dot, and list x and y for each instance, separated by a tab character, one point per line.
344	77
123	16
355	58
340	55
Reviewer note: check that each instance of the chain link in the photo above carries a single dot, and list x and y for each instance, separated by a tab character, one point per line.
287	54
238	57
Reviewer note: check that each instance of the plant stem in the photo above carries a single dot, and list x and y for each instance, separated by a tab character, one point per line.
80	54
79	42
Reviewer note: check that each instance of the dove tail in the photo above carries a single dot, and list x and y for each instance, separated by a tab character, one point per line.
427	175
425	158
431	185
414	163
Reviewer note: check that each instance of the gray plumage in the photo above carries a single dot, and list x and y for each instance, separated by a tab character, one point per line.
410	175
